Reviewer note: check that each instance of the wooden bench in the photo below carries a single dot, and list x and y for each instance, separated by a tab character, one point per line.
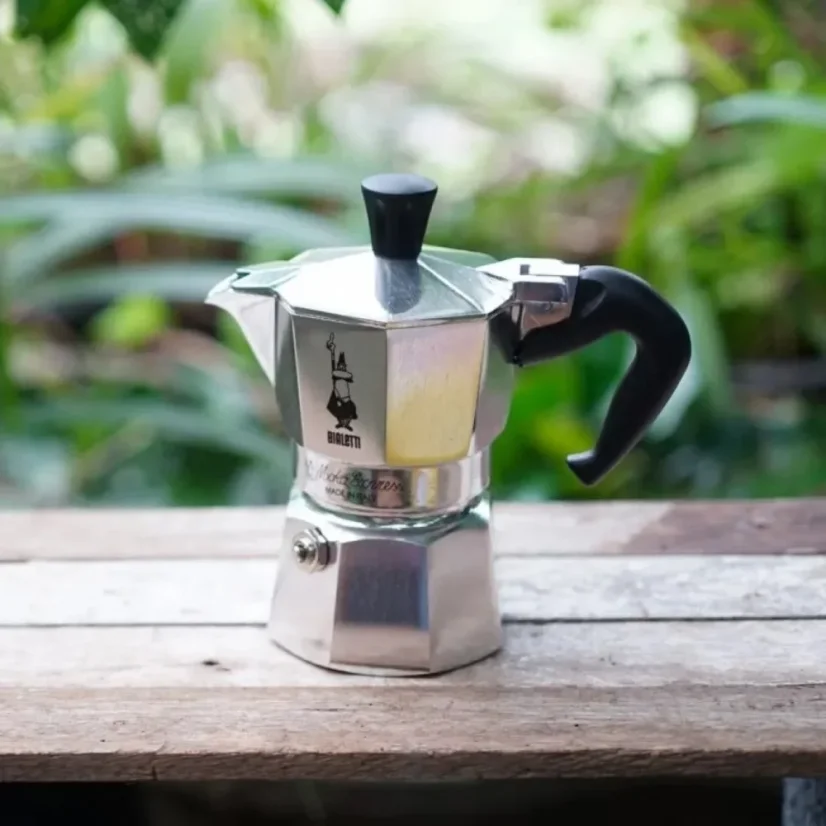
642	639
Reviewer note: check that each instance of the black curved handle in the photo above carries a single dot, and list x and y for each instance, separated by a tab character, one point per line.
609	300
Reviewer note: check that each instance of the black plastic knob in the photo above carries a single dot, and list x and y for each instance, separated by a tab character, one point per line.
398	208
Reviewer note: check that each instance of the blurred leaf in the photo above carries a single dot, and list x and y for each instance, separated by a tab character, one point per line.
600	367
658	175
145	21
334	5
27	140
559	434
189	45
178	423
786	158
761	107
174	281
233	338
47	20
717	191
667	255
720	73
113	103
32	257
567	14
758	288
252	487
9	394
676	408
69	100
223	392
765	35
38	466
132	321
814	323
542	393
86	219
335	179
544	388
708	347
267	11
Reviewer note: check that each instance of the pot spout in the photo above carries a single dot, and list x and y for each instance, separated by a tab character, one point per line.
254	312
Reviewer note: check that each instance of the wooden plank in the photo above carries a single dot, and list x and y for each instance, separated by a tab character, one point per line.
794	526
576	700
223	592
405	733
552	656
156	664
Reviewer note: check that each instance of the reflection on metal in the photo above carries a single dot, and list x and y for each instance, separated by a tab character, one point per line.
392	492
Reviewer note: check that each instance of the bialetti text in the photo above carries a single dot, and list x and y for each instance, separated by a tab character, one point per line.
344	439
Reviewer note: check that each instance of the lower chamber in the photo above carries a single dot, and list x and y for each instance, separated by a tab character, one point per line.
386	596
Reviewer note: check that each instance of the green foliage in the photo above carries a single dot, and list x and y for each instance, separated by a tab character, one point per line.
768	107
132	321
46	20
335	6
118	385
190	43
145	22
80	221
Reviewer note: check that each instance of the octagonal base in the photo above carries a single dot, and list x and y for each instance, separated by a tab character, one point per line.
407	600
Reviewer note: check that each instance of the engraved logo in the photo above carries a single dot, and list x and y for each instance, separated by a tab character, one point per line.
358	486
340	405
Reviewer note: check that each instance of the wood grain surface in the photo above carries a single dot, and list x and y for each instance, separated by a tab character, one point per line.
552	655
642	639
407	732
783	526
532	589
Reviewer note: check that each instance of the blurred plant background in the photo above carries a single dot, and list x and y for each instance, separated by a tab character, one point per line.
148	147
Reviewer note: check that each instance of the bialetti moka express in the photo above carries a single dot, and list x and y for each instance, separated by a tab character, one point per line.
393	366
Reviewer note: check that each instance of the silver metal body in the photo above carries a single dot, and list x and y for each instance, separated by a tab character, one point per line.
390	381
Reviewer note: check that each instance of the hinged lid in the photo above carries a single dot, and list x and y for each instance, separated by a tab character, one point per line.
391	283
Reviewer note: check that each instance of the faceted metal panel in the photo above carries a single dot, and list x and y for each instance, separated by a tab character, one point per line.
495	389
382	613
463	597
404	601
255	315
433	377
467	258
327	254
342	389
359	287
287	394
303	604
403	397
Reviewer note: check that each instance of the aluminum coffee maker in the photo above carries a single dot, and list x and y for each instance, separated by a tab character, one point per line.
393	366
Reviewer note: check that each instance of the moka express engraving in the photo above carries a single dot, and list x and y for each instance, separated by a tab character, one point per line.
340	405
352	485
